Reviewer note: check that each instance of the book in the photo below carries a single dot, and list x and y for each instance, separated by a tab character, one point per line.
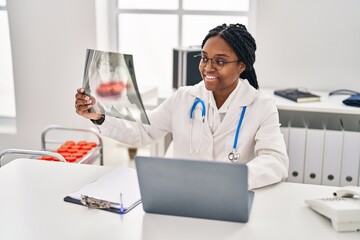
110	78
297	95
119	188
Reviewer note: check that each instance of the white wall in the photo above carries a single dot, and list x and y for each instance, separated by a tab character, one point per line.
49	40
301	43
308	43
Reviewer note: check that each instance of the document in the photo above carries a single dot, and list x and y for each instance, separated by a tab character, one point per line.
110	78
119	187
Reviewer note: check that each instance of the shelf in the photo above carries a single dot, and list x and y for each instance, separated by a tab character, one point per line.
328	104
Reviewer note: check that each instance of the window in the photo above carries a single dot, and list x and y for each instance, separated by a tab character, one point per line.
149	30
7	97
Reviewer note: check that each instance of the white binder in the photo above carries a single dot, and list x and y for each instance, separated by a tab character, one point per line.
297	139
285	131
332	157
314	156
350	159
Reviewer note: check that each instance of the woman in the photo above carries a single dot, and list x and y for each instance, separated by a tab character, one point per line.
240	123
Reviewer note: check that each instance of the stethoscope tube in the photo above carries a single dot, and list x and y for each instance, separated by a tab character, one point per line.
197	101
234	155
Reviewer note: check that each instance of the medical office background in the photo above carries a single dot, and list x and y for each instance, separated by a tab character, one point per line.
311	44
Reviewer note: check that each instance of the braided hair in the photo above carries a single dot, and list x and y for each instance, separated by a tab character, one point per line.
243	44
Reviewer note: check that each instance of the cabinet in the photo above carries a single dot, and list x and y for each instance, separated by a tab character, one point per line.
323	139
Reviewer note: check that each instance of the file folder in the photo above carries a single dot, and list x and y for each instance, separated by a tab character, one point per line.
285	131
332	157
314	156
297	139
350	159
119	187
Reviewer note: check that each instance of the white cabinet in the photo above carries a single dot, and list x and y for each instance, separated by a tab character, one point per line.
330	154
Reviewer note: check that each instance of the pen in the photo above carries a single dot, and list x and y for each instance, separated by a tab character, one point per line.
121	204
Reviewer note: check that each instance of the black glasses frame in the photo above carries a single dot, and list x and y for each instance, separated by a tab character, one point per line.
218	66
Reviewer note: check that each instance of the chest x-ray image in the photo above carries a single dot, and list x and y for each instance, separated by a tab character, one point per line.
110	78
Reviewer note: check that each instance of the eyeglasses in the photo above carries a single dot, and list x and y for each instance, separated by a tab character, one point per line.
216	62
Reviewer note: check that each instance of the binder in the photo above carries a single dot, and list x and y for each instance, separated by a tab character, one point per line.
314	156
350	159
285	131
332	157
359	176
297	139
119	188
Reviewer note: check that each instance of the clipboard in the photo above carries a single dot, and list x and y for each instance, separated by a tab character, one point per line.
118	191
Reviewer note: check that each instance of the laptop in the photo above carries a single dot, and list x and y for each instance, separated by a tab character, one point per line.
199	189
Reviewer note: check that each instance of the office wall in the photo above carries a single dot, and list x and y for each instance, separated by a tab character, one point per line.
308	43
301	43
49	40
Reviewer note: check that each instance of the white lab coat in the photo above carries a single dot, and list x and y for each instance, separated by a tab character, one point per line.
260	144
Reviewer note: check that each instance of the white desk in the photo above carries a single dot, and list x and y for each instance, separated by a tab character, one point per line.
328	104
32	207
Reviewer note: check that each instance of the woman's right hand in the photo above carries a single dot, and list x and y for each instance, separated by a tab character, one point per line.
83	103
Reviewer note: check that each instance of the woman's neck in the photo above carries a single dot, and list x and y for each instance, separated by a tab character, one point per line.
221	96
219	99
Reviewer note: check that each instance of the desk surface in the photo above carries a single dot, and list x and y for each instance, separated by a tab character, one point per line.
327	104
32	207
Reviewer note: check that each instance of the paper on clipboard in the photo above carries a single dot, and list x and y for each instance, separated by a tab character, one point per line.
120	181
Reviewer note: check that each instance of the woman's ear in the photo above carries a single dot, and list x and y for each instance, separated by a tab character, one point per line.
242	67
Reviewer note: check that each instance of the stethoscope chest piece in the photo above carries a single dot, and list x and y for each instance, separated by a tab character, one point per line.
234	156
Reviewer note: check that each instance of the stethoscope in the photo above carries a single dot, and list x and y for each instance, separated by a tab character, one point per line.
234	155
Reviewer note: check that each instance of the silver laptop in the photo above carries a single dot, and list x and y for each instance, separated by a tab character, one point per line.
200	189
